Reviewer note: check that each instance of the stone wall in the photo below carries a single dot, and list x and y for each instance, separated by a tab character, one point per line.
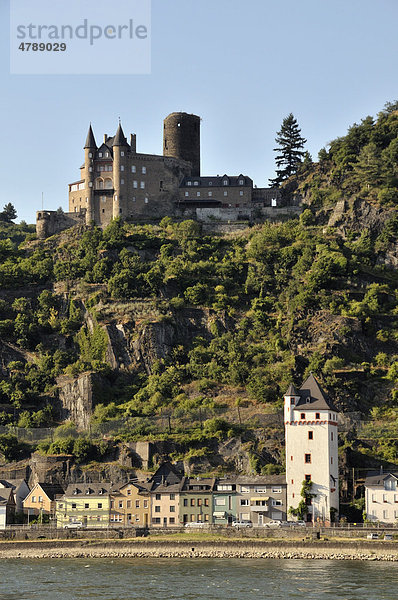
50	222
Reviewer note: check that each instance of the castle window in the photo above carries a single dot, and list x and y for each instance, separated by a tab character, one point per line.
133	198
100	154
331	460
302	416
135	184
120	211
198	194
210	183
196	183
210	194
160	185
108	184
122	153
331	436
90	184
307	458
241	193
142	185
133	169
90	169
90	155
100	184
103	210
291	458
310	435
225	193
317	416
186	193
307	478
146	200
122	181
189	182
121	167
143	170
107	154
225	182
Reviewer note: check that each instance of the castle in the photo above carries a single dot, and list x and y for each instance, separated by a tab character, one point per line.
117	181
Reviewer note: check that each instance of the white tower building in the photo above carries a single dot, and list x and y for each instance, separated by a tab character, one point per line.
311	443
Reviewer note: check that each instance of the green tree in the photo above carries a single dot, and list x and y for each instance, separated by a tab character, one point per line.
290	150
367	171
9	213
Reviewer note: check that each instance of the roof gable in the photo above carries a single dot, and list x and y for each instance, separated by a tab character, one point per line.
312	396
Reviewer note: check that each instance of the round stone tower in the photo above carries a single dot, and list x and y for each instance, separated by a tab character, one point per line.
181	139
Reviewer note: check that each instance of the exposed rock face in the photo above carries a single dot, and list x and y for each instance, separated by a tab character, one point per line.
357	215
155	341
76	398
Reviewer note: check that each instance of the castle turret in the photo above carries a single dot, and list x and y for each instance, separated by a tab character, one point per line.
181	139
311	443
90	148
120	147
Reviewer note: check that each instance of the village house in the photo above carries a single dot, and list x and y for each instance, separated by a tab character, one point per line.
165	487
131	505
224	502
85	503
7	507
41	500
196	501
381	497
261	499
20	489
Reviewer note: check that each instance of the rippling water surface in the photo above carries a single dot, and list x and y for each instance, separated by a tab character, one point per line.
169	579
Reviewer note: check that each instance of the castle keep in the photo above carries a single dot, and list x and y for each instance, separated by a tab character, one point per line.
117	181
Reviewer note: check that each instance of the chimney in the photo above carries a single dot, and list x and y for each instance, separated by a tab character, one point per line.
105	137
133	142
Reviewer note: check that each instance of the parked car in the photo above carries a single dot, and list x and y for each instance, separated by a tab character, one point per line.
273	524
388	536
198	524
74	525
373	536
299	523
245	523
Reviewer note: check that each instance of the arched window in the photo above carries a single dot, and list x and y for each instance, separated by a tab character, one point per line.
108	184
99	183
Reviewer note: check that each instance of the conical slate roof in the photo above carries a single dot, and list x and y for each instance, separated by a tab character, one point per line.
313	397
119	139
90	140
292	391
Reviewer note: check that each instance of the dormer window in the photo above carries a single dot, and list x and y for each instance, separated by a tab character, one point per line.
241	182
308	399
196	182
225	182
189	182
99	154
107	154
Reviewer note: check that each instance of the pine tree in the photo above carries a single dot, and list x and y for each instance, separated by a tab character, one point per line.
290	150
9	213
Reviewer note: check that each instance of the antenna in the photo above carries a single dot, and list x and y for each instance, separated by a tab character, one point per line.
42	200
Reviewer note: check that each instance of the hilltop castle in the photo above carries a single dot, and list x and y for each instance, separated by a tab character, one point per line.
117	181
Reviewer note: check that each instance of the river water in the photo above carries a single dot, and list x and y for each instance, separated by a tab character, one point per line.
196	579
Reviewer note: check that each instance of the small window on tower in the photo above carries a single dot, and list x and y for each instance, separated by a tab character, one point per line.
317	416
302	416
291	400
307	458
310	435
308	478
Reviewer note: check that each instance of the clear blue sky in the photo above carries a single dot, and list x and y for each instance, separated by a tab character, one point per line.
242	66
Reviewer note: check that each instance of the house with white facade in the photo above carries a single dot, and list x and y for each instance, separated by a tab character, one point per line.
381	497
311	443
7	507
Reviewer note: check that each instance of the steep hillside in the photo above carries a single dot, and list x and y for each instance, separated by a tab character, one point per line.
165	334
